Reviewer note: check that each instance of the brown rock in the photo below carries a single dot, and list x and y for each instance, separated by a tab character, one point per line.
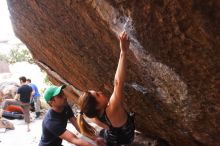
173	70
8	89
4	67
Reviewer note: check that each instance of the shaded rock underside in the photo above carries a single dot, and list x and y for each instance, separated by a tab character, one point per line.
173	78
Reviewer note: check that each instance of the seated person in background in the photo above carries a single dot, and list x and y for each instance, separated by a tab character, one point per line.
22	98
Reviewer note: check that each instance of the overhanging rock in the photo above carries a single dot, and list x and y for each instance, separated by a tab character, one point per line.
173	67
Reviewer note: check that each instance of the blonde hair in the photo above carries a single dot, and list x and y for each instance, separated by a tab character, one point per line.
87	103
85	128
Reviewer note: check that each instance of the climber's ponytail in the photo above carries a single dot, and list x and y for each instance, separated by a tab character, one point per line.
85	128
88	106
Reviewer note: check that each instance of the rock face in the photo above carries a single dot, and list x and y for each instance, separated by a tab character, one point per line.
8	90
4	67
173	77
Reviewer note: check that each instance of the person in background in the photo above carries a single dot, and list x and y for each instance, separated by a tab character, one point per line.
35	97
22	98
55	121
109	113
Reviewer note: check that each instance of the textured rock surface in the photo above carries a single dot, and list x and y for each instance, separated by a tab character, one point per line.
8	90
4	67
173	77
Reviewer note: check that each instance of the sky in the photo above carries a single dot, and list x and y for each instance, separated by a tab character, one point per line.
7	41
6	31
7	37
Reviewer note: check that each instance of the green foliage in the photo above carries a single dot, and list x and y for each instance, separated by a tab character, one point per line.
47	81
19	54
3	57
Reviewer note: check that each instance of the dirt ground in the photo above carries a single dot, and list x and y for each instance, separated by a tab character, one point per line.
20	137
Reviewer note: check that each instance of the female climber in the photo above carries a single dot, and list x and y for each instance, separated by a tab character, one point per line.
109	113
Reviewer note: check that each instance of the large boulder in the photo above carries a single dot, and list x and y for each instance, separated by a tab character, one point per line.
173	67
8	90
4	67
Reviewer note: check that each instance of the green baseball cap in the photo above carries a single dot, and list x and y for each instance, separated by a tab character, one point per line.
52	91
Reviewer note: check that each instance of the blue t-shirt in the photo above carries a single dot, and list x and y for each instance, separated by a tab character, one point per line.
54	125
35	89
25	93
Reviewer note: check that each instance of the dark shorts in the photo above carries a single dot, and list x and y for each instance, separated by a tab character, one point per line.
119	136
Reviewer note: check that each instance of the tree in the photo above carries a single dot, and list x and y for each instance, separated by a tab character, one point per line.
47	81
20	53
3	57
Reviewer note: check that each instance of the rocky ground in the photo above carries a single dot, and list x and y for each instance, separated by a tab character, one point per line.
20	137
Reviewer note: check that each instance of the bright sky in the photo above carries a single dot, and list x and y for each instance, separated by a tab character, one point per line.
8	41
6	31
7	36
